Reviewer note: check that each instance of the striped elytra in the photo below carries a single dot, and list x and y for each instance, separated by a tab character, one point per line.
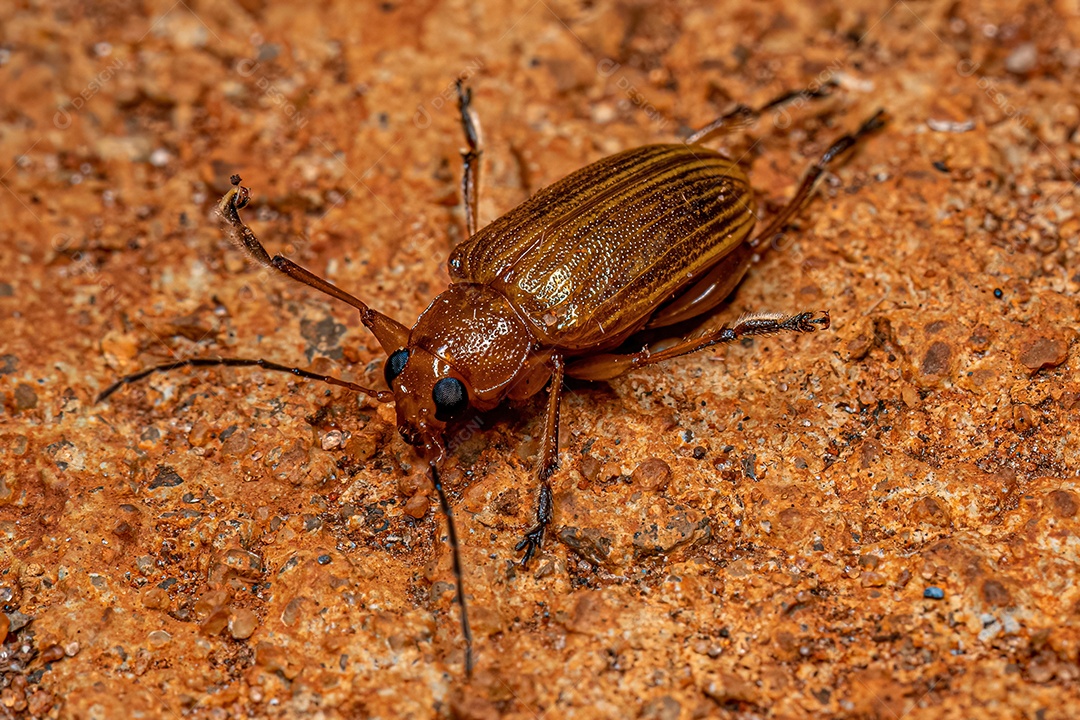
590	257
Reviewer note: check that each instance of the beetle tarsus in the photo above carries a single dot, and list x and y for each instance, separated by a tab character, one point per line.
533	540
772	323
530	543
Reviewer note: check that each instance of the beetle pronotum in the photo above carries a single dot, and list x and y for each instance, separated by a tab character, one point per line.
559	287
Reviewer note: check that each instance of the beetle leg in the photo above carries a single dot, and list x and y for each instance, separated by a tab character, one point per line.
838	148
742	116
611	365
470	178
380	395
549	461
391	334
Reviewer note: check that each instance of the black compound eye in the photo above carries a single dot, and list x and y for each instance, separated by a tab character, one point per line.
395	364
450	398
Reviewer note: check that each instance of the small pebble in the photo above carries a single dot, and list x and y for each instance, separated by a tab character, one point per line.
950	126
51	654
159	637
362	447
417	506
215	622
1043	353
1062	503
18	620
39	703
1022	59
653	474
155	599
200	434
859	346
590	468
160	157
245	563
25	397
211	602
242	623
166	476
934	593
410	485
332	440
936	360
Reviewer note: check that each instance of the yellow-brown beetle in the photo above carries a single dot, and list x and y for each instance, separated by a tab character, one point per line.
558	286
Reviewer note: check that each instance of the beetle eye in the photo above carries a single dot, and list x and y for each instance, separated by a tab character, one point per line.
450	398
395	364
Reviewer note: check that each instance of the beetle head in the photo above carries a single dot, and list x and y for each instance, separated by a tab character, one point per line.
428	393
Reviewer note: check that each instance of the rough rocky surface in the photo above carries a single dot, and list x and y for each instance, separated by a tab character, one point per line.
880	520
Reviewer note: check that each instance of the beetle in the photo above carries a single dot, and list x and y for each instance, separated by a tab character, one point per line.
561	287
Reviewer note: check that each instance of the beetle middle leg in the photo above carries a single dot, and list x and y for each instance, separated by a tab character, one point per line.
549	461
470	178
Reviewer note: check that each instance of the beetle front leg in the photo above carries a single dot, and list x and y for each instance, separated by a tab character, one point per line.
470	178
549	461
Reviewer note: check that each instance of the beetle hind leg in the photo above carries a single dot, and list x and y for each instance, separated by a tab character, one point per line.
549	461
612	365
839	147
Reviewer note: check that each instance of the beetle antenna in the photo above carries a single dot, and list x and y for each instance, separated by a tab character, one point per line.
470	177
458	575
391	334
383	396
742	116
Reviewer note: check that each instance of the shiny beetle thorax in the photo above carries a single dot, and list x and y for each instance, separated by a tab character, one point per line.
475	330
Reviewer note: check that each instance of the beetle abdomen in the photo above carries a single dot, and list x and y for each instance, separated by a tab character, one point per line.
589	258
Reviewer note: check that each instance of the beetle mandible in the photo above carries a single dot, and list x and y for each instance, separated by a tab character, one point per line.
560	286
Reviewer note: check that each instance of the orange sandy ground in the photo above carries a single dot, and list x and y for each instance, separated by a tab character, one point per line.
235	543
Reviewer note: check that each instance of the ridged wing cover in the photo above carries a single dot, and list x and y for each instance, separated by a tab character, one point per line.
588	259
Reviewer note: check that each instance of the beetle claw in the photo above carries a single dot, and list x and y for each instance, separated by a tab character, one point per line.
532	542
